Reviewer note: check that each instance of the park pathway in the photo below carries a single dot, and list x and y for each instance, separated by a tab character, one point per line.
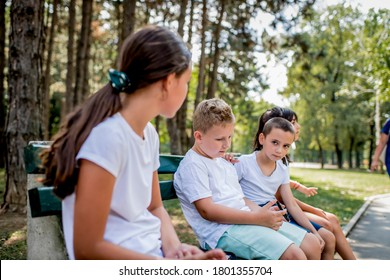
369	230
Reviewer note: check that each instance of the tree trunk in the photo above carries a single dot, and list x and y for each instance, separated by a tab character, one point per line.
3	149
202	61
320	152
69	95
177	125
24	122
350	152
212	86
83	55
46	89
128	18
118	13
339	154
358	159
182	113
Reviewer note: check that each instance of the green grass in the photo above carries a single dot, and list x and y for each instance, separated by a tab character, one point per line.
13	245
341	192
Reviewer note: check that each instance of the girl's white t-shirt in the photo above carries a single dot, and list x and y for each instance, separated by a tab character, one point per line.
114	146
256	186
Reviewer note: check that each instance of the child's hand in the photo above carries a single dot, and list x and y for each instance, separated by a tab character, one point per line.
230	158
320	212
308	191
322	242
303	189
270	216
190	252
215	254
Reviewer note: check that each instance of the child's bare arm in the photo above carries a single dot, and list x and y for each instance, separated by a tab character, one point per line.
263	216
303	189
296	212
311	209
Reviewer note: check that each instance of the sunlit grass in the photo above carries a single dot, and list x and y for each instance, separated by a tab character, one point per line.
341	192
13	245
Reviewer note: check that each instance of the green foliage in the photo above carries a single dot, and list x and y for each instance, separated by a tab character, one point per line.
334	75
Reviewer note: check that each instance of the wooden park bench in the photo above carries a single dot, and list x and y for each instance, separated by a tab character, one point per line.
44	229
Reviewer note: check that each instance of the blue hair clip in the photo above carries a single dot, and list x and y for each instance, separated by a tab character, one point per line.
119	80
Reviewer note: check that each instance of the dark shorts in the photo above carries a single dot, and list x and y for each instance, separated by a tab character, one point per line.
292	221
315	225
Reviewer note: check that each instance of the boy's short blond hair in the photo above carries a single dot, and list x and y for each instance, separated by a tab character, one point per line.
212	112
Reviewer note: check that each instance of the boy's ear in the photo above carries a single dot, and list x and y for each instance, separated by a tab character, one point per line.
197	135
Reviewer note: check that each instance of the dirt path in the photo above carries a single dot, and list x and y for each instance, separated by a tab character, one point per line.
13	232
10	221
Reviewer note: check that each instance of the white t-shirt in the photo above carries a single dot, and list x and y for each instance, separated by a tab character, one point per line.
199	177
255	185
132	160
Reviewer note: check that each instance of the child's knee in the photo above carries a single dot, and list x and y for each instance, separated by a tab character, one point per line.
293	252
328	237
327	224
333	220
312	247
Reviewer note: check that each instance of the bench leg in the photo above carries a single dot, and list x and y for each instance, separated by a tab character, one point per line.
45	240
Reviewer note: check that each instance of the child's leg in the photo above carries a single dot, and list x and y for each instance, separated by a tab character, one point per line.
308	243
293	252
332	224
311	247
330	244
342	245
258	243
320	220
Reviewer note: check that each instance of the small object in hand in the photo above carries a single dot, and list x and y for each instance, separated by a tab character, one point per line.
281	208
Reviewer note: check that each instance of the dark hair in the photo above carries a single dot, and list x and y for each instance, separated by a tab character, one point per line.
285	113
147	56
289	114
279	123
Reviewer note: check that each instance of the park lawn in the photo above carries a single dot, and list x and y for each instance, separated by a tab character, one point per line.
341	192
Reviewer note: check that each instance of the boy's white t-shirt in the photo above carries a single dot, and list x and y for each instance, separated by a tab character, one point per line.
114	146
199	177
256	186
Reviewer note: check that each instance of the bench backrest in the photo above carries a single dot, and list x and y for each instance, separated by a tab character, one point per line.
43	202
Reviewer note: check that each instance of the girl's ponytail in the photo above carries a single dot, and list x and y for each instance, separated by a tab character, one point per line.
60	159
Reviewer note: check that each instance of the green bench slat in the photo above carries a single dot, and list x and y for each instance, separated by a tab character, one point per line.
43	202
167	190
31	157
169	164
